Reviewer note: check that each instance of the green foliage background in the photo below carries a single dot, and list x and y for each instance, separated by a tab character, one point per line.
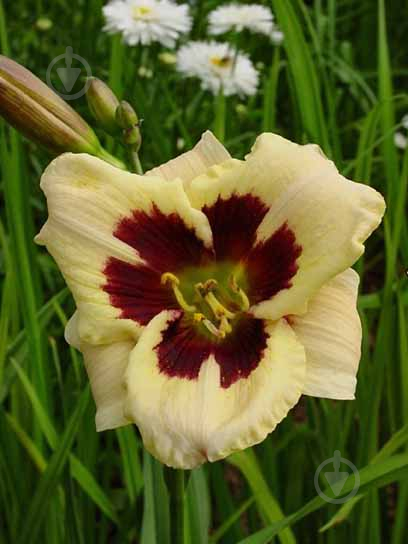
339	80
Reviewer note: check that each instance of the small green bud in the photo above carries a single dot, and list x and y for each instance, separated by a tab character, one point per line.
167	58
43	24
241	110
103	105
132	138
126	117
40	114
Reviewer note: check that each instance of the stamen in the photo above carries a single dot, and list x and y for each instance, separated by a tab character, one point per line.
170	279
225	326
219	333
205	290
245	304
216	306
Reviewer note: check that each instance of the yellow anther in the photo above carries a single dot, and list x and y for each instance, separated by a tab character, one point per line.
210	285
170	279
203	288
198	317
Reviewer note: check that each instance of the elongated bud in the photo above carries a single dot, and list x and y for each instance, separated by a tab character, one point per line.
41	115
127	119
103	104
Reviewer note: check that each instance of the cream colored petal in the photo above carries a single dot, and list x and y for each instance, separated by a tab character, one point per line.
193	163
330	331
330	216
87	198
105	366
71	332
187	422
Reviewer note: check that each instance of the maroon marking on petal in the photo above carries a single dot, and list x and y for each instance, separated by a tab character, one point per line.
137	291
233	223
241	351
165	242
272	264
183	349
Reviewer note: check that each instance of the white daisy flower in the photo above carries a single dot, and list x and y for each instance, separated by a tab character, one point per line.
147	21
400	140
404	121
219	67
277	36
238	17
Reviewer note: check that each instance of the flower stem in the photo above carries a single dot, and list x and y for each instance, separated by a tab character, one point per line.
107	157
135	163
220	112
176	485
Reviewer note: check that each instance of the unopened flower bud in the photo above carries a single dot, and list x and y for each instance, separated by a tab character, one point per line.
43	24
102	104
126	117
40	114
167	58
132	138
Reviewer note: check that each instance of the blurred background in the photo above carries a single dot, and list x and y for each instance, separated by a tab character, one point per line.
331	72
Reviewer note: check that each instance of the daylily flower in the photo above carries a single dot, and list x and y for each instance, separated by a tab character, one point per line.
211	293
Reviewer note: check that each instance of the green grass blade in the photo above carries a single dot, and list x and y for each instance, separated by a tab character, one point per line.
303	72
371	477
37	511
156	521
198	507
268	506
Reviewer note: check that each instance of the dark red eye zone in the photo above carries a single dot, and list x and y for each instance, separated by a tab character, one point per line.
183	349
136	290
165	242
272	264
233	224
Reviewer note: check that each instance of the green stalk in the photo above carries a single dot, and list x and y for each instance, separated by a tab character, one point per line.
220	114
176	485
135	164
4	45
270	93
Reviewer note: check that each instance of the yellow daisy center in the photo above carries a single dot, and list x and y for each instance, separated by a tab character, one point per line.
140	12
221	62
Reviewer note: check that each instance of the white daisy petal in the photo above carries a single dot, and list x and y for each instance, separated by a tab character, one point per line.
400	140
404	121
219	67
277	36
147	21
238	17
